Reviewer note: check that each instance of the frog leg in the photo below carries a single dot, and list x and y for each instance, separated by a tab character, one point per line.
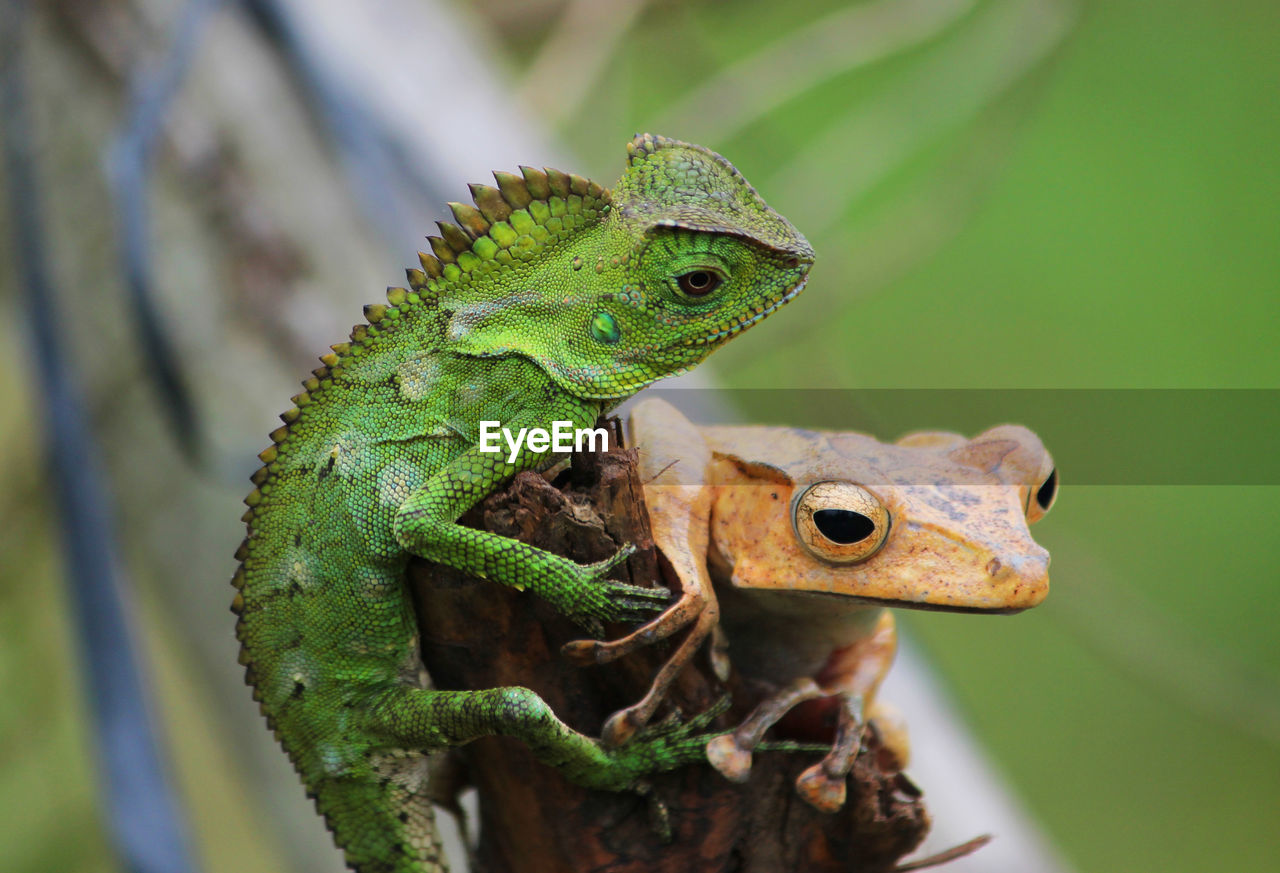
865	665
426	526
823	784
624	723
680	517
731	753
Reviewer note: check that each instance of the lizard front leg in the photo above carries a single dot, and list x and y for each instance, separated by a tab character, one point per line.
415	718
425	525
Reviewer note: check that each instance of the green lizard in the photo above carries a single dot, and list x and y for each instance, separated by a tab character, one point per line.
552	299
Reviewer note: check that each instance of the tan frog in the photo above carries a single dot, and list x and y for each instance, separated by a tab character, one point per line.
807	537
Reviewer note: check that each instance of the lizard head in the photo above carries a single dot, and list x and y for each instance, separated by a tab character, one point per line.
609	291
703	258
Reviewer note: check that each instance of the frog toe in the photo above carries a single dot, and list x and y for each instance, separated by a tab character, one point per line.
733	761
621	727
820	790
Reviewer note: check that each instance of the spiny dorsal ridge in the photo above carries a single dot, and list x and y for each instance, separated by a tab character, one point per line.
536	181
443	253
489	200
430	265
455	238
558	182
494	205
513	188
471	221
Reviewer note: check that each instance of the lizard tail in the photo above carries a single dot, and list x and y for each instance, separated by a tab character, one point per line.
383	826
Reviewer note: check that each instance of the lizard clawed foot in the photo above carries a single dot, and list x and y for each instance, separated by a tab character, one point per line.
666	745
730	758
586	595
820	789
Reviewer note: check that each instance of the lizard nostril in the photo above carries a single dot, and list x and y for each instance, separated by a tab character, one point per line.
994	566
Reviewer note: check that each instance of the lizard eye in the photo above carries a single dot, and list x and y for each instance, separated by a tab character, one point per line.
840	522
699	283
1041	498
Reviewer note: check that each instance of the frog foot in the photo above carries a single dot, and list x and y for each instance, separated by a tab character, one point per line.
582	652
820	789
731	759
621	727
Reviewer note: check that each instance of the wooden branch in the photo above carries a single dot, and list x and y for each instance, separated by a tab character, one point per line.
479	634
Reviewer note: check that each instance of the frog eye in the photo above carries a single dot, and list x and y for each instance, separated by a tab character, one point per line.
1040	498
840	522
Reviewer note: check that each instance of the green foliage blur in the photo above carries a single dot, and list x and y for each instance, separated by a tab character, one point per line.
1037	195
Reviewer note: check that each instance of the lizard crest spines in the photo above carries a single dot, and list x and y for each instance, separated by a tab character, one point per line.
417	280
536	182
443	253
430	264
495	207
513	188
489	200
469	219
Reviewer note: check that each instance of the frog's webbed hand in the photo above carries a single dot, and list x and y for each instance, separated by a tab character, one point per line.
823	784
731	753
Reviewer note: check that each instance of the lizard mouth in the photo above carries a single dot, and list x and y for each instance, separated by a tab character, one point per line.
746	322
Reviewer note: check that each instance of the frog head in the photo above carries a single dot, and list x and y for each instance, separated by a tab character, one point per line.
933	521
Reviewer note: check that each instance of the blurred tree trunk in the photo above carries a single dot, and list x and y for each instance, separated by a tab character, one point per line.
261	258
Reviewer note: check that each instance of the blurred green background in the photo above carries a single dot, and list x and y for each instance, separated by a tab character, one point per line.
1010	194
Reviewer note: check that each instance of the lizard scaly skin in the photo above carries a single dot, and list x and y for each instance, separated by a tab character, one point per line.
550	299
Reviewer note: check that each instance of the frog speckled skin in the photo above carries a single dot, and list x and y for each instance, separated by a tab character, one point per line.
792	543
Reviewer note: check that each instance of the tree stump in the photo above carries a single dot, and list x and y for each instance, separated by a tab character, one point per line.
478	634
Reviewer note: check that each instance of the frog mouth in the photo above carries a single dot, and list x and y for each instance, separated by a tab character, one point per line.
744	323
898	603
